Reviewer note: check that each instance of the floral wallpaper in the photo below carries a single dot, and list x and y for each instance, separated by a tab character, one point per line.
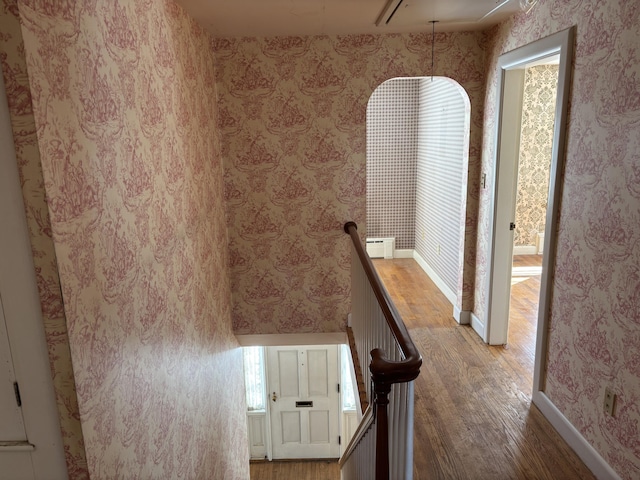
124	97
124	100
536	140
292	116
594	336
14	69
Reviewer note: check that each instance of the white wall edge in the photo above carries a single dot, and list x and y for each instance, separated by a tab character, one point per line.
435	278
403	253
525	250
592	459
285	339
478	325
463	317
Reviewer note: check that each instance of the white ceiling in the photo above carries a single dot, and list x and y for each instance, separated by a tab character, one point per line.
264	18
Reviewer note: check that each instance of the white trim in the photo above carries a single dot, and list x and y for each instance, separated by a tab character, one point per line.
477	325
284	339
525	250
591	458
505	179
463	317
435	278
23	316
403	253
16	447
560	43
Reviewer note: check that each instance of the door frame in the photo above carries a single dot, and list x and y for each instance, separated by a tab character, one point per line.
23	316
499	285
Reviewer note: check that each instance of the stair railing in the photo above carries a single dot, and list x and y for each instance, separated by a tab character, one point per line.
386	429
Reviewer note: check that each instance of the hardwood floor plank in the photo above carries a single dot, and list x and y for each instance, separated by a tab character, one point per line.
473	413
303	470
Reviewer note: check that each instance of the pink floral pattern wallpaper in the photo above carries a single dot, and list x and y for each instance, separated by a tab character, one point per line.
132	144
14	69
124	100
594	337
292	117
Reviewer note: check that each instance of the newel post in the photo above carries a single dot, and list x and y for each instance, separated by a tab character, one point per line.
381	401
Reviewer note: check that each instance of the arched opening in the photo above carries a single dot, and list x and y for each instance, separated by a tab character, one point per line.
417	168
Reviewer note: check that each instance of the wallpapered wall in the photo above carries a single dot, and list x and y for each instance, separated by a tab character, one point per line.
443	145
392	150
594	337
124	103
14	69
292	115
536	140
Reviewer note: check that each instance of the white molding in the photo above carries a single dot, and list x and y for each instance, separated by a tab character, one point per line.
284	339
478	326
560	43
525	250
435	278
591	458
23	317
463	317
403	253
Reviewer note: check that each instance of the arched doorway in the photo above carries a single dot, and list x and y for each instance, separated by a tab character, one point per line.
417	168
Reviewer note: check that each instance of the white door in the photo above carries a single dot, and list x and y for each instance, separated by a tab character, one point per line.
304	401
24	358
14	453
14	450
511	66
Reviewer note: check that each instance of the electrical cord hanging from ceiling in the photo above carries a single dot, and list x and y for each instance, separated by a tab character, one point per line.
433	45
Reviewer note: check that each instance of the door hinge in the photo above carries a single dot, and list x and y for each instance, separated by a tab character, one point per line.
512	226
16	390
339	440
338	388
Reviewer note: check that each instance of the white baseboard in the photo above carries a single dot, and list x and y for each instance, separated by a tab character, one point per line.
463	317
292	339
403	253
525	250
478	326
435	278
574	438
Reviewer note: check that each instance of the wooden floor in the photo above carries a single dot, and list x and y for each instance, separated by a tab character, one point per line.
310	470
473	414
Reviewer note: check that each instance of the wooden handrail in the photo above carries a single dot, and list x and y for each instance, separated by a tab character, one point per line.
382	369
384	372
365	424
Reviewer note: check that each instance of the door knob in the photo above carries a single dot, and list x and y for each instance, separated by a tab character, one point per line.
274	397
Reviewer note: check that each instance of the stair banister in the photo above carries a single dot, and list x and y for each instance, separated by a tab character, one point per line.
395	363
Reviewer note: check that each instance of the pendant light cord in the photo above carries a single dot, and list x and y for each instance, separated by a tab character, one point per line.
433	45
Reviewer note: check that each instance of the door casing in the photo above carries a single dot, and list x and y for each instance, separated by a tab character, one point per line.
496	328
24	323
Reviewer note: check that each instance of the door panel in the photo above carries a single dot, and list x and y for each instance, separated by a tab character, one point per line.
11	424
12	430
304	401
23	348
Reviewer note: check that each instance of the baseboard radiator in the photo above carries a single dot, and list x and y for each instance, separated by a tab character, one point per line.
381	247
382	447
